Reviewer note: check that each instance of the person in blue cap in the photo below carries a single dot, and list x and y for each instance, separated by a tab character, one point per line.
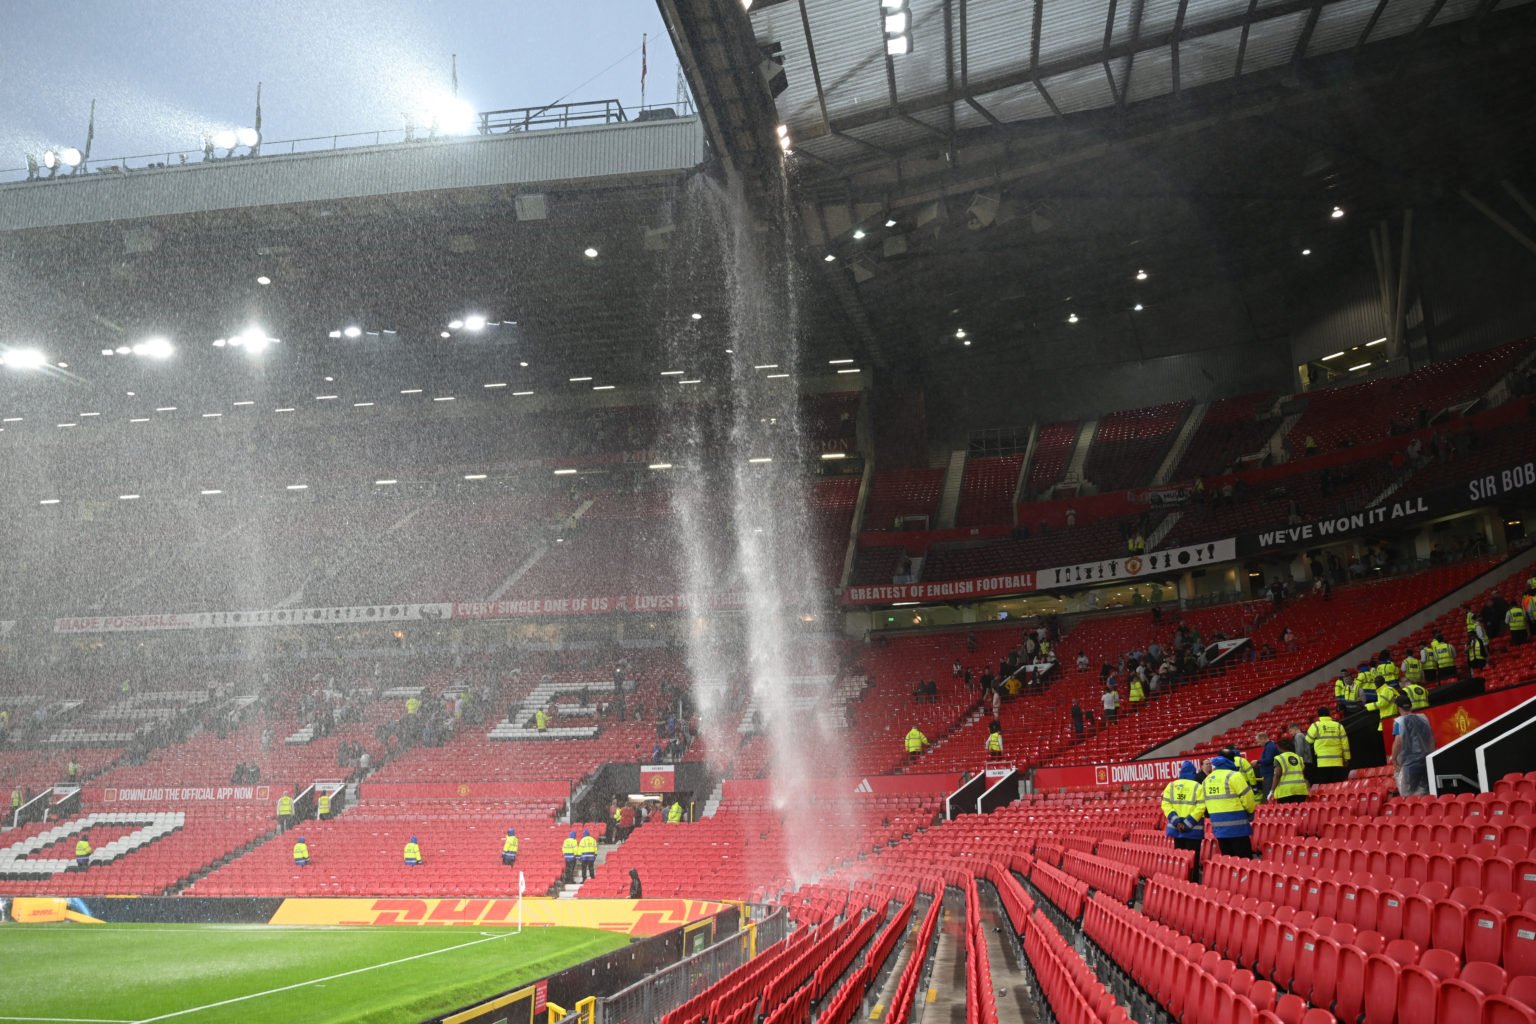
569	849
1184	809
412	853
1229	804
301	853
509	848
587	847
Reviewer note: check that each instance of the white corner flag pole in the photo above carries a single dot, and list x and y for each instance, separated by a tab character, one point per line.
522	887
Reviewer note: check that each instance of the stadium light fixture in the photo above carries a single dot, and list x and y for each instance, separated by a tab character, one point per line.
165	408
890	222
660	465
297	487
776	376
286	408
589	252
498	384
564	472
1333	356
474	322
1306	252
1071	318
766	366
1137	308
248	137
212	415
580	380
603	387
352	331
695	380
522	393
411	391
386	482
362	405
49	501
139	419
696	316
154	348
829	258
1141	275
1378	341
263	280
326	398
225	139
212	490
853	369
758	460
966	343
838	362
24	359
474	476
829	456
443	398
444	335
122	350
1359	366
106	352
1337	213
523	364
245	402
960	333
128	497
69	156
672	373
454	325
858	234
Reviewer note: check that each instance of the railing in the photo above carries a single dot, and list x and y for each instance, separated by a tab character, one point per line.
490	122
652	998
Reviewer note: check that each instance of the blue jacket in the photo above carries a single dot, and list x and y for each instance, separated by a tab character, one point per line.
1266	765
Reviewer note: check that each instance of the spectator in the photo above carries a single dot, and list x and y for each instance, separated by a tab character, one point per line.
635	891
1413	742
1082	661
1111	702
1077	720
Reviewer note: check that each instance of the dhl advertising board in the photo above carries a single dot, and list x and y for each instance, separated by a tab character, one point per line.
640	918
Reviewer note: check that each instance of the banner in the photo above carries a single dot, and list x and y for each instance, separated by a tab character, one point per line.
1132	567
657	778
628	917
944	590
245	619
1459	497
1455	719
603	604
177	794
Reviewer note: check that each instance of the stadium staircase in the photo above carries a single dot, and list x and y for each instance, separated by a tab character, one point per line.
949	497
1181	443
1080	450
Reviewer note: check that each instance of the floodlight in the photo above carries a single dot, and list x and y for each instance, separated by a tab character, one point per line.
263	279
225	139
247	137
70	156
474	322
352	331
1141	275
154	348
898	46
454	325
696	316
590	253
51	160
24	358
449	115
1072	318
896	22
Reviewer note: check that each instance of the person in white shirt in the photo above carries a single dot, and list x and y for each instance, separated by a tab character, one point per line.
1111	701
1082	661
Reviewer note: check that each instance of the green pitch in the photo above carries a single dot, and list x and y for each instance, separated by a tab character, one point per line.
201	974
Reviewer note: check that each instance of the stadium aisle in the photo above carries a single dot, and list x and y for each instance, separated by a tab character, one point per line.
1015	1003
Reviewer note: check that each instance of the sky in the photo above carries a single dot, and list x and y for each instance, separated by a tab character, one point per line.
165	72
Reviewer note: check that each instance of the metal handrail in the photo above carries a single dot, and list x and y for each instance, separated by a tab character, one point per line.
515	119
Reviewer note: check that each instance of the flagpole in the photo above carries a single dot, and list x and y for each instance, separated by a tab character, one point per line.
643	37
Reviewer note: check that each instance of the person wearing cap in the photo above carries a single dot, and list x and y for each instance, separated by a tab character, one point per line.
1242	764
1229	804
509	848
301	853
587	847
412	853
568	850
1184	809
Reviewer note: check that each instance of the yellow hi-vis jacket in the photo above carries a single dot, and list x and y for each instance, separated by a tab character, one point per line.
1417	694
994	743
1329	742
1184	800
412	851
675	813
1413	669
587	845
509	844
1384	705
83	848
301	851
916	741
1289	777
285	807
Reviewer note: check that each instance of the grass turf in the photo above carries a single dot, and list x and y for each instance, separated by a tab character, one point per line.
123	973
